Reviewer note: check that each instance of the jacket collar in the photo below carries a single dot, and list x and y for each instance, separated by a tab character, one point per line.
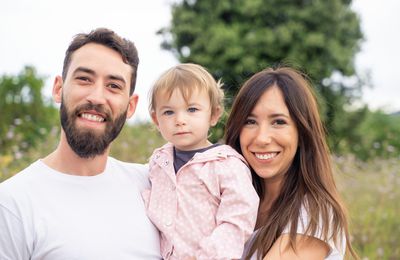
215	153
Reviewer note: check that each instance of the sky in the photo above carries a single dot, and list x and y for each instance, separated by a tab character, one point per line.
38	32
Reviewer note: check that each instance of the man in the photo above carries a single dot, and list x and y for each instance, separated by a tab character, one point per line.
79	203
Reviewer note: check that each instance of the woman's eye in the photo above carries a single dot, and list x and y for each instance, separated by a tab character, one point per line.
192	109
279	122
250	122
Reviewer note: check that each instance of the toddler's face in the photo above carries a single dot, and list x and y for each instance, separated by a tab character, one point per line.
184	123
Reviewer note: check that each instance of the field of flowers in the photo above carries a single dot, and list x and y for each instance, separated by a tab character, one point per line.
370	189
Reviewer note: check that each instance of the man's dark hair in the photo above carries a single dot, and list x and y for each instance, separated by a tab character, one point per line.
109	39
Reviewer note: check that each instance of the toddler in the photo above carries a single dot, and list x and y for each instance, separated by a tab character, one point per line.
201	198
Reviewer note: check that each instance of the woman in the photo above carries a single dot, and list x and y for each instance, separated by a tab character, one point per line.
275	125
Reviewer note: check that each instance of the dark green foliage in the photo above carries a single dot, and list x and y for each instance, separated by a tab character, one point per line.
236	38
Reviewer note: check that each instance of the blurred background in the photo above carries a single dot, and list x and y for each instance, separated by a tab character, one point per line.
348	48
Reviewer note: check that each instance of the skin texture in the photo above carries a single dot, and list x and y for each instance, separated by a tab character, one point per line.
97	75
306	248
185	124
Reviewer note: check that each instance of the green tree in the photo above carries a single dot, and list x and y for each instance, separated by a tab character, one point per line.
25	116
236	38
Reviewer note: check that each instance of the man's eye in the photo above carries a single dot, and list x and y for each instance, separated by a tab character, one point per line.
192	109
114	86
82	78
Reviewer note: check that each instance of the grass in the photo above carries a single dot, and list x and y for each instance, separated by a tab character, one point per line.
371	192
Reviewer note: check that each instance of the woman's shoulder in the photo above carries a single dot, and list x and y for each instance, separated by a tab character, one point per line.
337	246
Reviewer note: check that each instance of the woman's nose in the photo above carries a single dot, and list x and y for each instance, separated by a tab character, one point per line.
263	136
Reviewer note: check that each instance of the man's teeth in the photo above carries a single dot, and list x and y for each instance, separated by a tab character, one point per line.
265	156
92	117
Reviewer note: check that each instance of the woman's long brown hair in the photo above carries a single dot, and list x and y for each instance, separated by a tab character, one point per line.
309	180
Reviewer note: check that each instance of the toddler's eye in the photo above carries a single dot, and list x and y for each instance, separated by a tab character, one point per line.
168	112
192	109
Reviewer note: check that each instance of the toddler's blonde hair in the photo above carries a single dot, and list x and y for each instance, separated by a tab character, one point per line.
187	78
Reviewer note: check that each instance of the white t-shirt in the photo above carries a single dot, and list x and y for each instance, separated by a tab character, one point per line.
334	253
48	215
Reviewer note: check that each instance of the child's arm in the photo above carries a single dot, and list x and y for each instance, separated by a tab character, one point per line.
236	214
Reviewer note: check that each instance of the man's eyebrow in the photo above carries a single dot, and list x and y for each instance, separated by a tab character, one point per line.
92	72
84	69
117	77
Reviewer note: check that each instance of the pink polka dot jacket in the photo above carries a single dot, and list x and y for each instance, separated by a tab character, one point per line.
206	210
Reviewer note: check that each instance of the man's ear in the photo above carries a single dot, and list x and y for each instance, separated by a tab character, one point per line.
215	116
57	89
133	100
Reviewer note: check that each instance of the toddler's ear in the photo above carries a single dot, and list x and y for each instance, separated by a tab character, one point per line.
215	116
154	118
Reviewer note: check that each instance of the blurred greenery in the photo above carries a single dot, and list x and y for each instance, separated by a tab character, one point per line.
370	190
137	142
236	38
376	135
26	118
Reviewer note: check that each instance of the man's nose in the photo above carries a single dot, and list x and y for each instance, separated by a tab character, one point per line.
97	94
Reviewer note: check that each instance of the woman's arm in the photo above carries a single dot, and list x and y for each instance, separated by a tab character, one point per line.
307	248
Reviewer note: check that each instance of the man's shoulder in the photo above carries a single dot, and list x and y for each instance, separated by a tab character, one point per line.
22	178
135	171
129	166
15	189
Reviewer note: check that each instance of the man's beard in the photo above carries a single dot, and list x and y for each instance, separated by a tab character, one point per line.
87	143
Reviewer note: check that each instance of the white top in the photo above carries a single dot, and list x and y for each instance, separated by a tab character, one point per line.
334	253
48	215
